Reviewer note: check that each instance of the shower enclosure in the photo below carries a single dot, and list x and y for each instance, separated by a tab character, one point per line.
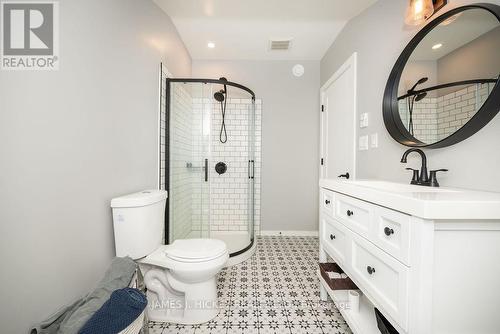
209	162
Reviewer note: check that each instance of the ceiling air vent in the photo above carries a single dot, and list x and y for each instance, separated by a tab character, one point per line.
280	44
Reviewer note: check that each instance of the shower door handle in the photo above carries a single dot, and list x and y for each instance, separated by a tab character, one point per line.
251	169
206	170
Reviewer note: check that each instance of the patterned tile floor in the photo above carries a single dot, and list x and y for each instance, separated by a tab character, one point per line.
275	291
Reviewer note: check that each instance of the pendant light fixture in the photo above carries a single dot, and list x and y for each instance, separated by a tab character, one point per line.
418	11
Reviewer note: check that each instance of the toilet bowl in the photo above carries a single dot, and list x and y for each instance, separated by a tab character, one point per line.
181	280
180	277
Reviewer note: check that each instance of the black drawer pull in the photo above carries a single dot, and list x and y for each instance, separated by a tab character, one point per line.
332	236
327	202
370	270
388	231
349	213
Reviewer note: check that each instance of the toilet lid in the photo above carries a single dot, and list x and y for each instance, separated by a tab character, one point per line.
196	249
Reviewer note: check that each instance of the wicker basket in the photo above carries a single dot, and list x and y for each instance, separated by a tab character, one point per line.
336	283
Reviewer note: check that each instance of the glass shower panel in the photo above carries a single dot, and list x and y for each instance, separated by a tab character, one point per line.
251	178
231	169
211	152
205	156
188	155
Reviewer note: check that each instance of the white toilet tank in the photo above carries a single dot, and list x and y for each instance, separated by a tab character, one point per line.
138	221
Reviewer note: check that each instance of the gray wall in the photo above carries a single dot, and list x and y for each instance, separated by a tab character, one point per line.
476	59
379	35
70	141
290	136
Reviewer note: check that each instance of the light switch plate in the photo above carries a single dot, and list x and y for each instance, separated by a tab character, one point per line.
374	140
363	120
363	143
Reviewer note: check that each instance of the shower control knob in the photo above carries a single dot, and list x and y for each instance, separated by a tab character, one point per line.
220	168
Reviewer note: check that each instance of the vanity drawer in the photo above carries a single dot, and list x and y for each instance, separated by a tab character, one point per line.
355	214
333	237
384	277
392	233
327	201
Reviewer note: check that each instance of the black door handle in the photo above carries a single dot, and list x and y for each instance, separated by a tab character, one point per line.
332	236
349	213
327	202
346	175
388	231
370	270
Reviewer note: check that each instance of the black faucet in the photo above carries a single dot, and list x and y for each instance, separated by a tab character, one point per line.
422	178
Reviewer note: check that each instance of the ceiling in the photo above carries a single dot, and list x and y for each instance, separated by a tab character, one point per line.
241	29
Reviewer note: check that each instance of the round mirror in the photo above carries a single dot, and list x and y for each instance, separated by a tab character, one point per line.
444	86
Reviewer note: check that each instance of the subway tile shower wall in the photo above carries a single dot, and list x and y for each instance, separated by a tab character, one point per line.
435	118
163	116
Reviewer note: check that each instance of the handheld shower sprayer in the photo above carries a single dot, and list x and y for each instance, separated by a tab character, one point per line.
221	96
414	97
419	82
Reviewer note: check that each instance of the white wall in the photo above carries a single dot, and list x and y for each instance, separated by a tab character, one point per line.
379	35
290	136
70	141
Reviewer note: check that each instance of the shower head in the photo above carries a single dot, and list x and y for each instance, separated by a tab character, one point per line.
223	79
419	82
219	96
422	80
420	96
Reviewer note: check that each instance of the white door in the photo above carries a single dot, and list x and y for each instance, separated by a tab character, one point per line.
338	122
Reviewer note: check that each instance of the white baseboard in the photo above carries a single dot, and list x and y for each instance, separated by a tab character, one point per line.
290	233
228	232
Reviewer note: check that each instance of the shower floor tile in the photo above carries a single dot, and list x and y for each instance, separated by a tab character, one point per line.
276	291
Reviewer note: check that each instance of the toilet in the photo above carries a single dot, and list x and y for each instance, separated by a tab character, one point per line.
180	278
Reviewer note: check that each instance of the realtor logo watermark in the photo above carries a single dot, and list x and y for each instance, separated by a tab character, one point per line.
29	35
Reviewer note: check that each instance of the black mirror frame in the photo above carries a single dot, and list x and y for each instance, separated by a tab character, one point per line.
390	106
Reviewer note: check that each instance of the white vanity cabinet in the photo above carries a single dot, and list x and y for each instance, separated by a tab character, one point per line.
427	258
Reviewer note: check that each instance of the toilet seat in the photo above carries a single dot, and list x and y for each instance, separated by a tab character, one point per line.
196	250
186	252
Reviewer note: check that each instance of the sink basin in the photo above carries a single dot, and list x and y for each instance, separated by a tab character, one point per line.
400	187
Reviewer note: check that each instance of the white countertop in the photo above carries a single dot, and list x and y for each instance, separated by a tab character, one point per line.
420	201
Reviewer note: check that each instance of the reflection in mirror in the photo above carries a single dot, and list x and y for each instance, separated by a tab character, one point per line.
449	75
